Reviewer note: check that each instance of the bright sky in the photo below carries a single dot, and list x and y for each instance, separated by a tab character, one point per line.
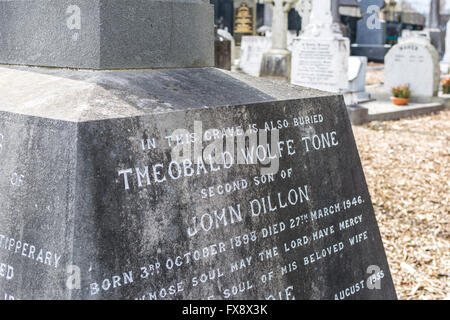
423	6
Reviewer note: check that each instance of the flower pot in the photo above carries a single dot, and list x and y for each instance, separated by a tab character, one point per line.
399	101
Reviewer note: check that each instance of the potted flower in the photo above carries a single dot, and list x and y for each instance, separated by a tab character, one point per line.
445	86
401	95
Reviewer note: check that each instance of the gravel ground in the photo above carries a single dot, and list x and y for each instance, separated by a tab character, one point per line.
407	167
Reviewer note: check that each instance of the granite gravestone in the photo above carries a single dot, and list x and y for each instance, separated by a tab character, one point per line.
413	62
190	183
371	32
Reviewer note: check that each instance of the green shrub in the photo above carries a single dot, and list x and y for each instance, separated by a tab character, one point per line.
401	92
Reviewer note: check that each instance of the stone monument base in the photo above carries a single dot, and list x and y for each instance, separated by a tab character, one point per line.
276	63
357	114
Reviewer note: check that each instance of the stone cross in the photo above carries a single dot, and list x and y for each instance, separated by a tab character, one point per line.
321	20
303	7
321	12
280	22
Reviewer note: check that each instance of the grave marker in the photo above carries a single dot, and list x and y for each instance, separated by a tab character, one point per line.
408	59
320	54
190	183
371	32
252	50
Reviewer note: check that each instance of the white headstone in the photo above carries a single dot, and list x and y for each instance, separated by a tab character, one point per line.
320	63
252	50
320	55
414	63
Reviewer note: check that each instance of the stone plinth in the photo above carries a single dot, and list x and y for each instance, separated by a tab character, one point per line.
276	63
105	34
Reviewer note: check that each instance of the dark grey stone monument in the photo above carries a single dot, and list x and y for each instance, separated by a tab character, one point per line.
371	32
189	183
105	34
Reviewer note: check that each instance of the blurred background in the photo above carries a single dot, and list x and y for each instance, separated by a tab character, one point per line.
405	151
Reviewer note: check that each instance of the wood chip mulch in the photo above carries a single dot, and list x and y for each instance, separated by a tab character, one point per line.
407	167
